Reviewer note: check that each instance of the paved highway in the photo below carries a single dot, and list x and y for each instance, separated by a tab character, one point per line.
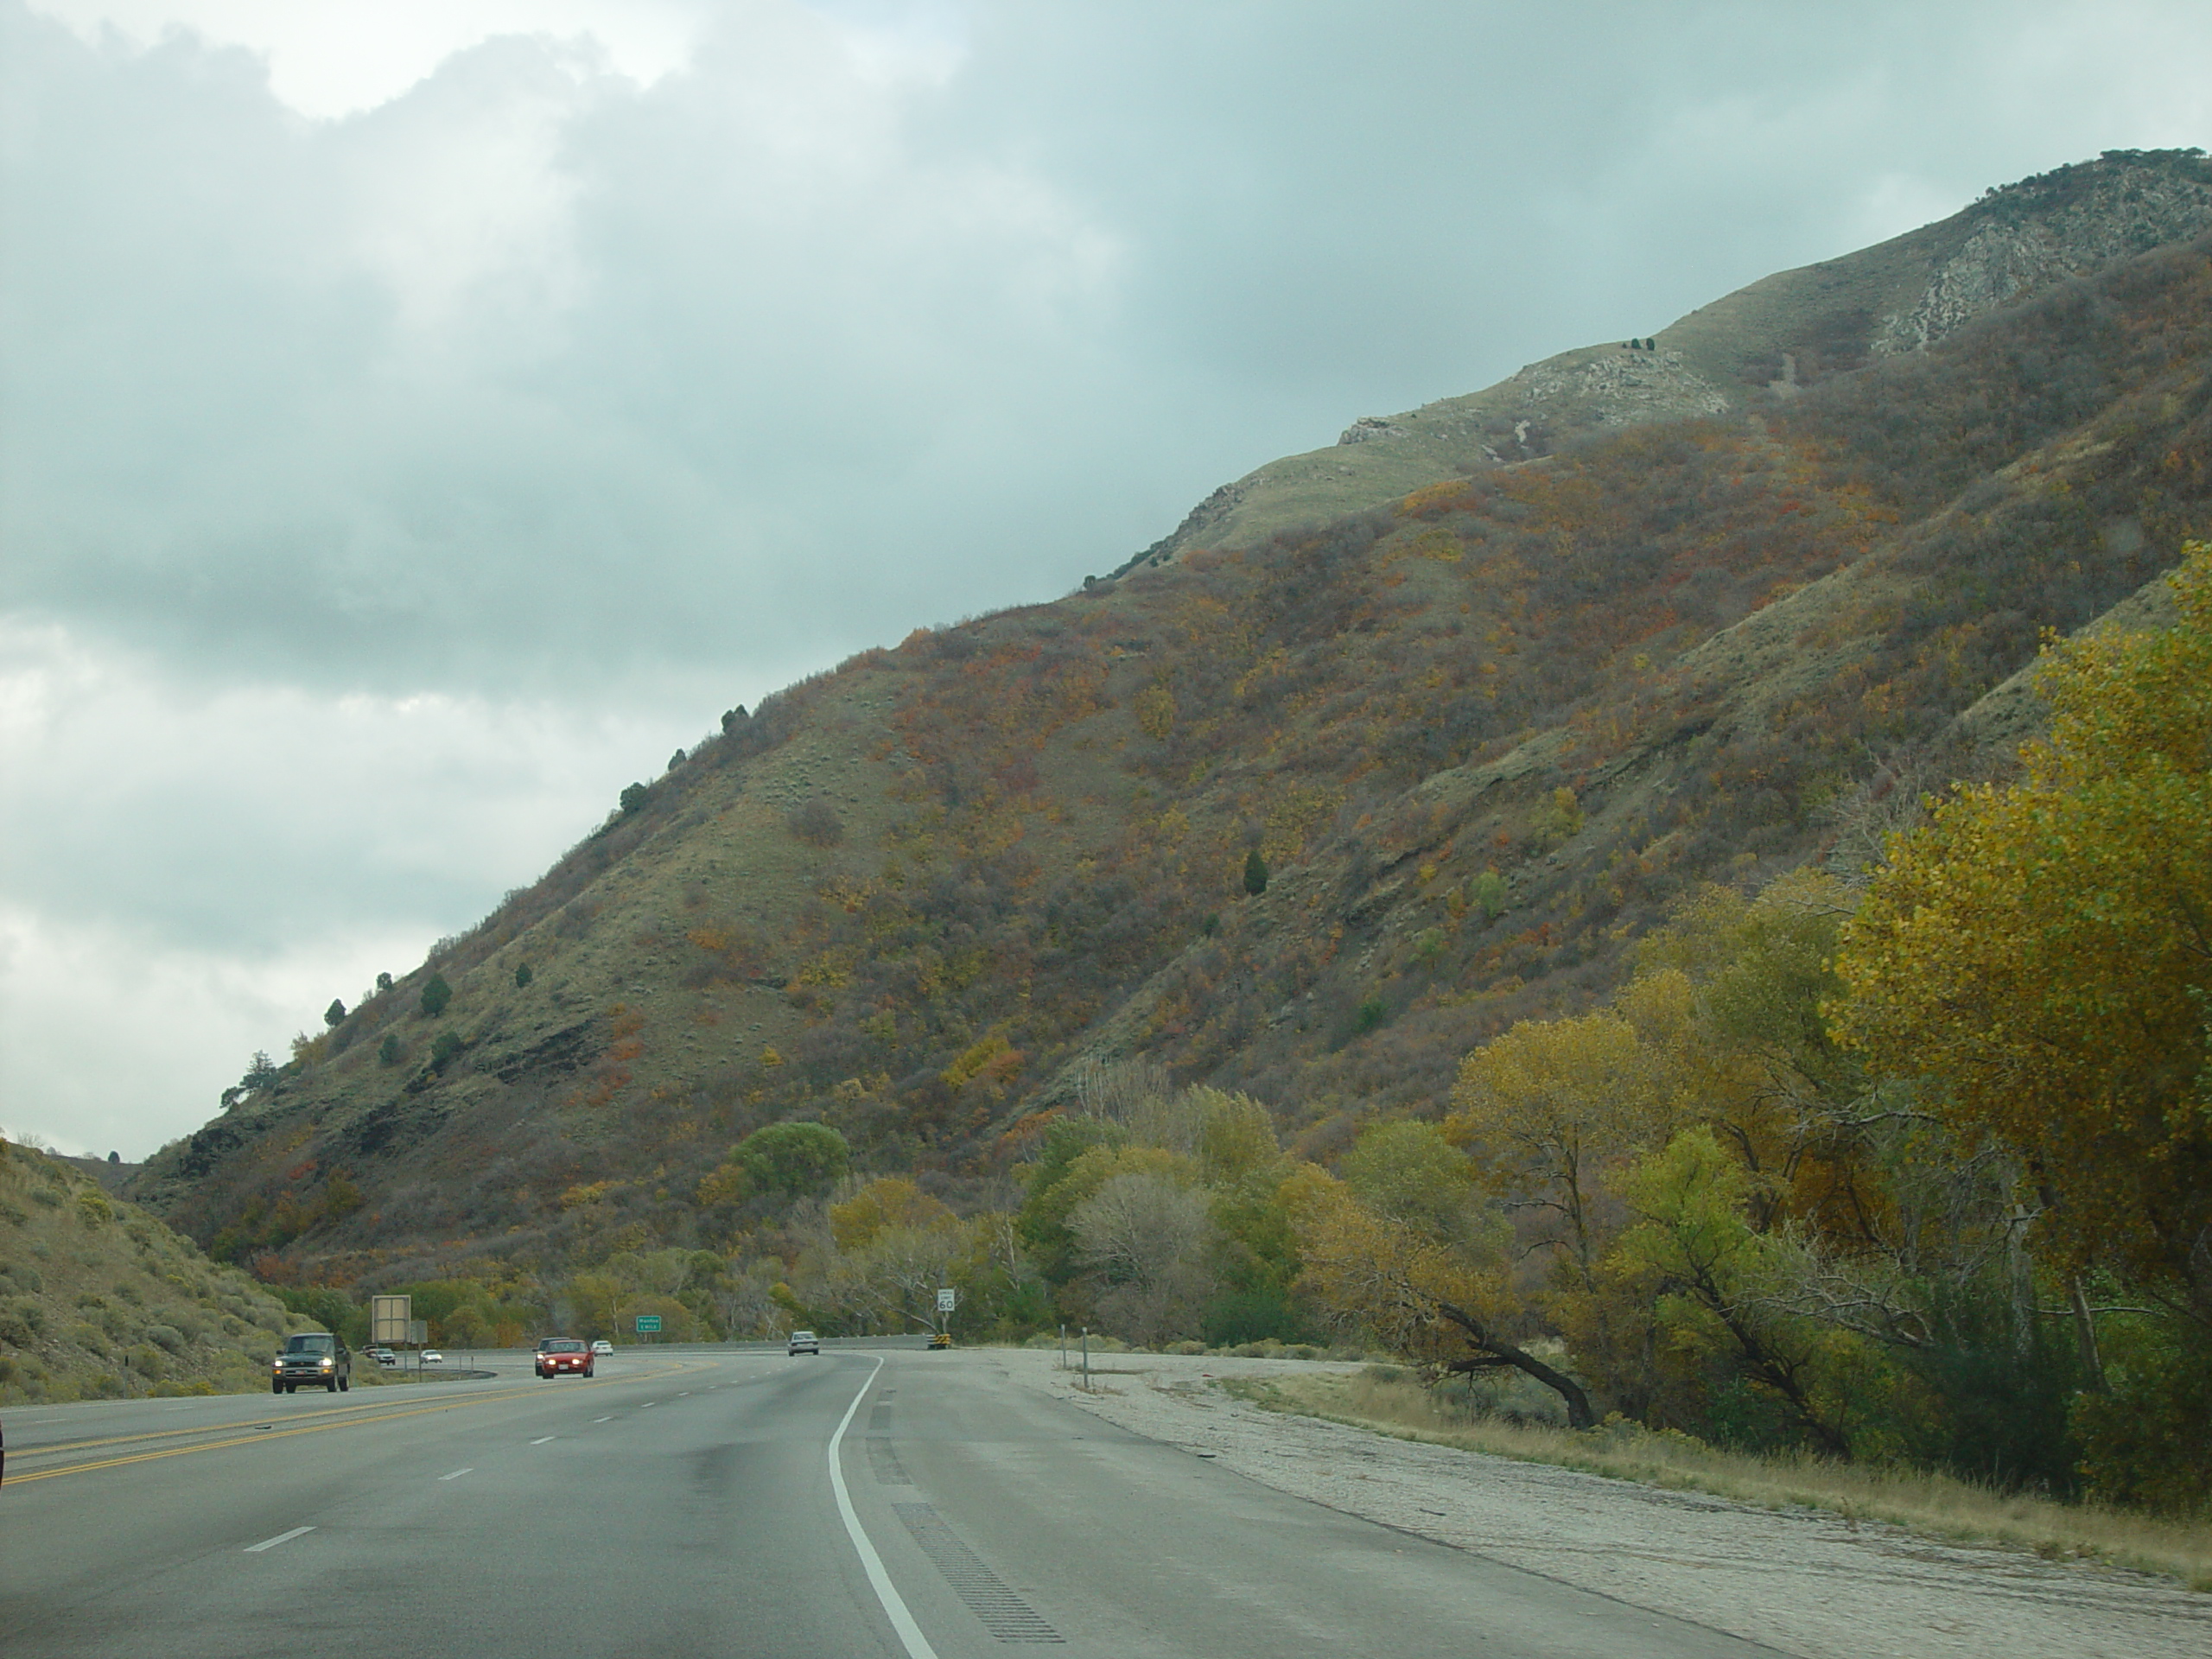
719	1503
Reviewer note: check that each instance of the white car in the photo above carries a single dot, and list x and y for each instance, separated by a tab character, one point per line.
602	1346
432	1356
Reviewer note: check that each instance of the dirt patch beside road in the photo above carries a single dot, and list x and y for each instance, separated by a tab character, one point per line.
1805	1582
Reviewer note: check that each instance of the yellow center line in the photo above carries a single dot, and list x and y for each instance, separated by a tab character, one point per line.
365	1411
358	1411
263	1437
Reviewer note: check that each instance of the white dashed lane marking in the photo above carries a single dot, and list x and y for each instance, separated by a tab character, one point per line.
456	1474
271	1543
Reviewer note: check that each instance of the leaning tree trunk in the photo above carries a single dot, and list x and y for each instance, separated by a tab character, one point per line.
1493	1353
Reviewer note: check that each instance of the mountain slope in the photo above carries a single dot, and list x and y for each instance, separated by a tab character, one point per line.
1483	734
99	1301
1779	335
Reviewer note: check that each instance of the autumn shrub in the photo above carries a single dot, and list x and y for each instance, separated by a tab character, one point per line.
817	822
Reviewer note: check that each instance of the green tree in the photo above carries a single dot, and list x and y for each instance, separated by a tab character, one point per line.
388	1050
334	1013
1408	1171
1042	1223
633	796
795	1159
1256	873
1697	1251
523	976
332	1309
1487	892
436	994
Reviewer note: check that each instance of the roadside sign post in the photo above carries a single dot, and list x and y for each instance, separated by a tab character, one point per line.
947	1300
388	1319
418	1332
648	1325
1086	1359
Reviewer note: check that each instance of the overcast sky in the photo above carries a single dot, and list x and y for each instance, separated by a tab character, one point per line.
418	418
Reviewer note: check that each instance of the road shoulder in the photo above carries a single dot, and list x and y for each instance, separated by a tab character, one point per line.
1808	1582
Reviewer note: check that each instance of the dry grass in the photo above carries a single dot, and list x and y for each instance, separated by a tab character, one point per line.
1938	1506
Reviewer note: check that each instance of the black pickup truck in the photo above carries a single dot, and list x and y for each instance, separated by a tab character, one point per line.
311	1356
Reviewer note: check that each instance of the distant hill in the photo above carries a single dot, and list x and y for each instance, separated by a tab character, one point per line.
1485	704
100	1300
110	1172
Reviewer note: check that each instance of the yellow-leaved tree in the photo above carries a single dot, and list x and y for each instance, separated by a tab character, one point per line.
2043	952
1412	1284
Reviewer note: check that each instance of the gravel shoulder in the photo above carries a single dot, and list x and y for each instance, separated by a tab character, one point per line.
1805	1582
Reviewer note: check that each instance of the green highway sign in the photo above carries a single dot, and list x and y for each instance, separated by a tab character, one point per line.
648	1322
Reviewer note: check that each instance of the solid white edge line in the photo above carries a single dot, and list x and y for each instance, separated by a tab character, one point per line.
271	1543
894	1604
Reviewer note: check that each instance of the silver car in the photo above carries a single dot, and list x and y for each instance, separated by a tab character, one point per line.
804	1342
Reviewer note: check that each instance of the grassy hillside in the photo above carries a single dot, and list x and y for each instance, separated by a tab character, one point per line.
1481	734
1780	335
100	1300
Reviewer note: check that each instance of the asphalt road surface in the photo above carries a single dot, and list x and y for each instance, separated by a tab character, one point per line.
719	1503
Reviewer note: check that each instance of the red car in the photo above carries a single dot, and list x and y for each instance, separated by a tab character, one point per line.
559	1354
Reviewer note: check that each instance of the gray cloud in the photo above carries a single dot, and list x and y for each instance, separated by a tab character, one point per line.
381	492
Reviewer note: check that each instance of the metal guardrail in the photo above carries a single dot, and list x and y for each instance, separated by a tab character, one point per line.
481	1356
920	1339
